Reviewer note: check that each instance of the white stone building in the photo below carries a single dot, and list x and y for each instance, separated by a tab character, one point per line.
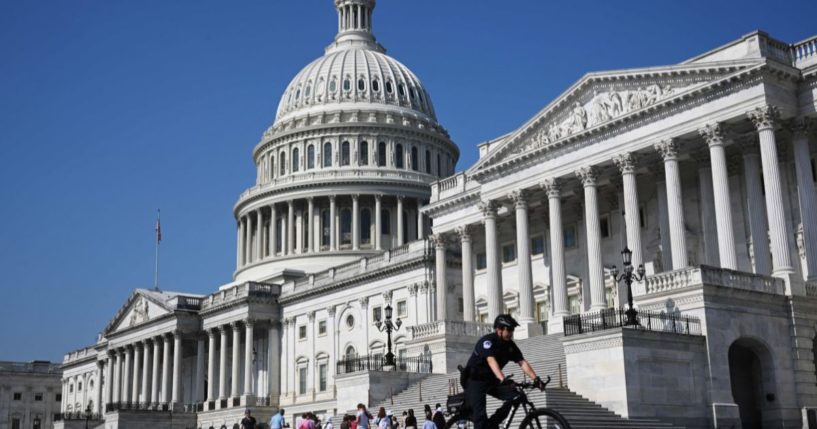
30	395
706	170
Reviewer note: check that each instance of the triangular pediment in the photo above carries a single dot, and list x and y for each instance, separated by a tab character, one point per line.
141	307
600	100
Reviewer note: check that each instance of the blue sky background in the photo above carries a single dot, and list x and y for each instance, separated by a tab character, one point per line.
112	109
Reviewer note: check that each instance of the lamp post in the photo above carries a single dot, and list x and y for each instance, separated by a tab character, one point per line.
628	278
388	326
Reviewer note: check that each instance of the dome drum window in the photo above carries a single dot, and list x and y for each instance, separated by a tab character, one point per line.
361	84
389	88
347	84
375	85
333	85
401	90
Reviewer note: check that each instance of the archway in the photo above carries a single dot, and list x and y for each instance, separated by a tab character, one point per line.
750	375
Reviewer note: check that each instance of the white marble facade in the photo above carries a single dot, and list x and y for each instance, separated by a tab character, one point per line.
707	162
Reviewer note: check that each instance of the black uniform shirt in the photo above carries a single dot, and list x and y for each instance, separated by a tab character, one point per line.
491	345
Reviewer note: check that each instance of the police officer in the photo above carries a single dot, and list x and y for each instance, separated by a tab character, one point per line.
483	373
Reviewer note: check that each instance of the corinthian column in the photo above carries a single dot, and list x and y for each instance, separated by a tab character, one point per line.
248	340
806	193
259	233
248	239
290	228
137	364
400	220
557	252
126	375
211	365
355	222
627	163
758	225
764	119
523	265
166	369
378	222
595	269
117	377
723	207
239	260
442	284
332	223
467	274
198	396
108	381
494	277
177	368
145	373
310	225
273	231
236	359
669	152
222	364
154	382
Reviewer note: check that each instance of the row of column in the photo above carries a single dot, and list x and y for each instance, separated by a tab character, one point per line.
258	233
763	118
140	372
223	332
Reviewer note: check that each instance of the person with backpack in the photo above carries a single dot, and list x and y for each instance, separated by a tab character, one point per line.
439	417
363	417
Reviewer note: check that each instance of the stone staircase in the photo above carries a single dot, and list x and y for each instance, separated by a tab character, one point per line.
546	355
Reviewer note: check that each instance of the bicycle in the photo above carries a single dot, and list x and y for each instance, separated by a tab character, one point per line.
535	418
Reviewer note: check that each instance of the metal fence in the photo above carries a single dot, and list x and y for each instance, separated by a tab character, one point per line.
418	364
647	320
77	415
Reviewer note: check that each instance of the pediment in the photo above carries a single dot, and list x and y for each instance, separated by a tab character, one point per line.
599	100
140	308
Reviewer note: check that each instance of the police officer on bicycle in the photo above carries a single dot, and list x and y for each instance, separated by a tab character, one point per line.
483	373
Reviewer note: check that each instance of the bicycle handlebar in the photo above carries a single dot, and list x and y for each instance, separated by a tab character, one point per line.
530	384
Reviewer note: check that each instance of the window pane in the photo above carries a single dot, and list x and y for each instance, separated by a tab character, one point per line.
508	253
414	159
322	377
537	245
385	222
381	154
428	162
365	226
482	261
344	153
296	158
346	226
327	154
570	237
398	156
310	157
377	313
301	381
402	309
364	153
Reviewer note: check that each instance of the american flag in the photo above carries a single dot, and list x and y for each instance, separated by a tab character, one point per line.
158	230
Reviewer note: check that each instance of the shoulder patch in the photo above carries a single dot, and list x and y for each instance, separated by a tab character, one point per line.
486	344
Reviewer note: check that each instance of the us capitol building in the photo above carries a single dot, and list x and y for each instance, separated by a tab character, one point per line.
705	170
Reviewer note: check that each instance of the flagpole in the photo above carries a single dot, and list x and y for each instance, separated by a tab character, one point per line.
158	239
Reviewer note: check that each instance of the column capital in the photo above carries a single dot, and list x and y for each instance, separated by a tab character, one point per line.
400	198
800	127
378	197
211	333
712	134
764	117
519	198
311	316
223	328
626	162
552	186
463	232
668	149
438	240
588	175
412	289
355	197
236	326
332	310
488	208
249	322
364	301
332	198
310	199
387	295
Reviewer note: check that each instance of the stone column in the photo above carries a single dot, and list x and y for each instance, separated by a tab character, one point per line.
98	396
468	303
310	225
165	369
595	269
248	370
137	364
378	222
627	163
758	224
259	233
236	359
400	239
355	222
198	396
248	239
494	268
211	365
723	206
117	377
523	263
420	221
222	370
154	382
669	152
557	255
333	354
290	228
274	366
332	224
273	231
440	277
291	351
806	193
108	381
764	119
708	227
176	397
145	373
126	375
239	257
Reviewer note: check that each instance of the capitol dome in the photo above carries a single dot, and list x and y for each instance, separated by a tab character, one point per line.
346	166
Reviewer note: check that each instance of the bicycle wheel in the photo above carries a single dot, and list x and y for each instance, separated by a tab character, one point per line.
544	418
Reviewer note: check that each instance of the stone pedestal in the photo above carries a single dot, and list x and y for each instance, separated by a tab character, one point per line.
371	387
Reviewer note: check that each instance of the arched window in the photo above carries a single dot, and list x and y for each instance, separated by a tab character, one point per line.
347	85
428	161
325	228
308	91
310	157
361	84
327	154
398	155
381	154
345	226
333	85
389	88
296	159
385	222
364	153
375	85
271	167
282	163
344	153
401	90
365	226
415	162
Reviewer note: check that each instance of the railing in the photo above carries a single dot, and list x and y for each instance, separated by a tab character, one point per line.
135	406
240	291
189	303
77	415
811	288
450	327
705	274
449	186
612	318
804	53
418	364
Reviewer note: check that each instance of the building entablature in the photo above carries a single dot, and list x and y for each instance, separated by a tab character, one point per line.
240	302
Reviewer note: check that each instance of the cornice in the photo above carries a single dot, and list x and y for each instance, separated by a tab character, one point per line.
236	303
450	205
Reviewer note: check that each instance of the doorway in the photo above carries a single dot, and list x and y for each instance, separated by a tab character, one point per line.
746	374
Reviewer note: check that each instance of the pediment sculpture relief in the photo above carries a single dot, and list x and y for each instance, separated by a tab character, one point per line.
140	312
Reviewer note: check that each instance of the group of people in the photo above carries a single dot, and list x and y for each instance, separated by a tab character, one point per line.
385	419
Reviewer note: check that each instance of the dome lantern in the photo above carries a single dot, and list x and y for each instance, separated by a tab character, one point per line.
354	26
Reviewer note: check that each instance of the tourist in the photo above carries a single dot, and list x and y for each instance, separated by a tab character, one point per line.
362	418
248	422
328	424
411	420
429	423
277	421
439	418
381	415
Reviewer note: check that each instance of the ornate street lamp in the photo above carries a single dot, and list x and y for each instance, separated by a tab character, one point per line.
388	326
628	278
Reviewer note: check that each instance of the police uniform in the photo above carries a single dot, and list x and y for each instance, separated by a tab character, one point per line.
478	380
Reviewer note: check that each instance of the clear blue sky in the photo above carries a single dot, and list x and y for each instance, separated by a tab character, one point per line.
111	109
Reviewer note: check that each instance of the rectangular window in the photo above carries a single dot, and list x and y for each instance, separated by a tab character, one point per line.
302	381
322	327
15	423
18	396
541	312
571	237
537	245
483	318
377	313
575	305
59	397
605	226
509	253
302	332
322	377
38	396
482	261
608	297
402	309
